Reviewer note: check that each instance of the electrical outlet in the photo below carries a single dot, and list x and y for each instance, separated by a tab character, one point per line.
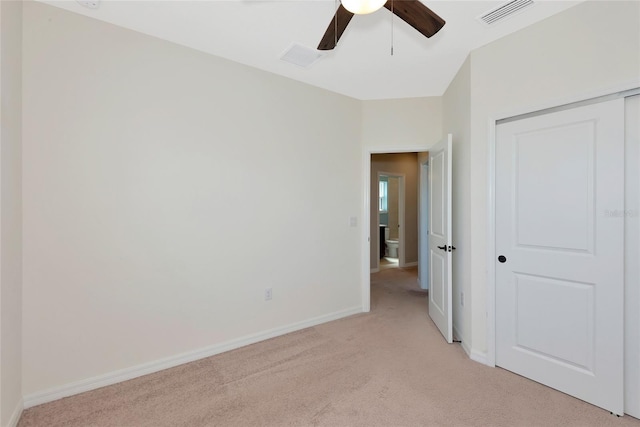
268	294
462	299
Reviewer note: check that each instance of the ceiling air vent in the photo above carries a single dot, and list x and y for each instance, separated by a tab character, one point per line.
504	11
301	56
90	4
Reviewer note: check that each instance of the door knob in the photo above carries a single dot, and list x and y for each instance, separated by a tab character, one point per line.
444	248
502	259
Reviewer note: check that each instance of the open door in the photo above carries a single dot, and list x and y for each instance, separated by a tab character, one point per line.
440	245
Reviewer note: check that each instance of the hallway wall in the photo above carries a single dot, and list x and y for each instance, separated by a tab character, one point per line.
10	211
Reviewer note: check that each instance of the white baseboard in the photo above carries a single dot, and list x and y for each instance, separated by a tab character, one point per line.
466	348
479	356
374	270
463	343
114	377
410	264
15	416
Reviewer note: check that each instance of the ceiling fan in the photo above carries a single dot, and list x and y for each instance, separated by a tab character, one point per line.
413	12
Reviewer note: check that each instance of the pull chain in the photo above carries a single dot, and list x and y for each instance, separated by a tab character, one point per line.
391	27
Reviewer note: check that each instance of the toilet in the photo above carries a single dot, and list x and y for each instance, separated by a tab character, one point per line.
392	248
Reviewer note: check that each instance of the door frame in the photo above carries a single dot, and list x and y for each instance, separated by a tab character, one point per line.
423	223
631	255
401	208
493	121
365	247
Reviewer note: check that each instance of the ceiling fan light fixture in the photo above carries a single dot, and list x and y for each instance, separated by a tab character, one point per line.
362	7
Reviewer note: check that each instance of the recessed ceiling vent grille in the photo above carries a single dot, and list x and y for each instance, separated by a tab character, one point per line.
90	4
301	56
504	11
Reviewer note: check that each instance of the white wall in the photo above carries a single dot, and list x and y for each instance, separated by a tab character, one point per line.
456	121
588	48
10	211
164	190
410	124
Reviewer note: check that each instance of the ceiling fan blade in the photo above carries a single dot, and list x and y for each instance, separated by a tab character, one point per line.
416	14
335	29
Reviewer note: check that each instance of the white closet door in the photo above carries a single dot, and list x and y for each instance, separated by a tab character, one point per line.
560	241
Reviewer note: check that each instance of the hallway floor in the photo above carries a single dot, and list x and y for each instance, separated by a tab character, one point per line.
387	262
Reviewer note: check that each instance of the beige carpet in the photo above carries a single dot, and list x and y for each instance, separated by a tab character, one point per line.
389	367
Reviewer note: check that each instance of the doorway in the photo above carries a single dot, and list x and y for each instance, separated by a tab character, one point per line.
412	233
395	223
391	217
404	164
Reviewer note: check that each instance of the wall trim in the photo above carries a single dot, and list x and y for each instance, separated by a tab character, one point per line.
365	231
121	375
480	357
463	343
466	348
17	413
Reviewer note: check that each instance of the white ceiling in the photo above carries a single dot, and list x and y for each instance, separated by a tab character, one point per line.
258	32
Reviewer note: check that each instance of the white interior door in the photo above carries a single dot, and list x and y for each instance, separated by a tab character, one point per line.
440	246
559	237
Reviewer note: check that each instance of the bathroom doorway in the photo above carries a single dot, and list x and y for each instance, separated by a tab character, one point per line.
391	206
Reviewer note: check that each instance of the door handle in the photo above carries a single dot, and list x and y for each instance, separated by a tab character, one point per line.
444	248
